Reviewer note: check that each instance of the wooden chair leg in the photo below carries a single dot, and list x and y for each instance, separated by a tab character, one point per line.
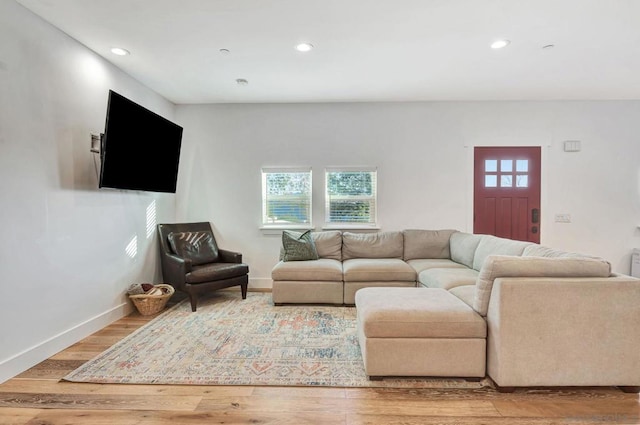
243	288
194	301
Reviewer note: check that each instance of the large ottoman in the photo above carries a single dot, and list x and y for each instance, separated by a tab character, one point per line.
419	332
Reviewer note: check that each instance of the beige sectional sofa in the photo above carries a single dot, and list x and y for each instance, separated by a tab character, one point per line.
449	303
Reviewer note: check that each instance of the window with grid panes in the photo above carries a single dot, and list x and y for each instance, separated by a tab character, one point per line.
351	196
286	196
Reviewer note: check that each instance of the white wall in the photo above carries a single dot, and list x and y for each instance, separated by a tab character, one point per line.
63	266
424	155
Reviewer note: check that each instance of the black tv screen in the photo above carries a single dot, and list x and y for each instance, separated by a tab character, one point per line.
140	149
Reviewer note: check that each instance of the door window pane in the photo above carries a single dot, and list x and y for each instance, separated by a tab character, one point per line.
506	181
522	165
522	181
490	181
490	165
506	165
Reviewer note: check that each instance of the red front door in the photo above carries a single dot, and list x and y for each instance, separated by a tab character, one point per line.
506	200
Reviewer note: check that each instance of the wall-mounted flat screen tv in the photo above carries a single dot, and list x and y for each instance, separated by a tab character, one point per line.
140	150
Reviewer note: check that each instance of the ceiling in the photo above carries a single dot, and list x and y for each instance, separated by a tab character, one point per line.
364	50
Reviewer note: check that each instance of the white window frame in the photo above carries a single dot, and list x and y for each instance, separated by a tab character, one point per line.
274	223
372	223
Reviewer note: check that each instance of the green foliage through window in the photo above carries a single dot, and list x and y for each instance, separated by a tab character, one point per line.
351	197
286	197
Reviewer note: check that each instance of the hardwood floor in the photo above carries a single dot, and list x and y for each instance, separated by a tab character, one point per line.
38	397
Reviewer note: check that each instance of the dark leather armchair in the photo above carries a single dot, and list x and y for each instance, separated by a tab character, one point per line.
192	263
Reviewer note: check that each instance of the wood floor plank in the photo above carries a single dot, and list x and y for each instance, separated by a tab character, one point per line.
98	401
627	409
85	346
289	405
179	390
107	340
88	417
288	392
51	369
576	394
76	355
121	417
16	416
53	387
379	407
366	419
426	407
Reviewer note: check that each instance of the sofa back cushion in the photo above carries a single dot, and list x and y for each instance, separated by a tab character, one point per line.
328	244
492	245
535	250
496	266
372	245
463	247
426	243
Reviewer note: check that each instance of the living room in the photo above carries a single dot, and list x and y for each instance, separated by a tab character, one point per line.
75	249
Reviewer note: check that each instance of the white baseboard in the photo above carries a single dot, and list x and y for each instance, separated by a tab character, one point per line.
32	356
260	282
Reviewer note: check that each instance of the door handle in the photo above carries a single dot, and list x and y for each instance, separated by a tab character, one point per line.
535	215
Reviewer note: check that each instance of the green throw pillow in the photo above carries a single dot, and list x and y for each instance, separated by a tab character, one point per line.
298	246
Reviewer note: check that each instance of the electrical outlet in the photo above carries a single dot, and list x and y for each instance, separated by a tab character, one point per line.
563	218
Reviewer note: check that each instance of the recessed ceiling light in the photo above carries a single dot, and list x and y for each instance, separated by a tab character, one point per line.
242	82
119	51
499	44
304	47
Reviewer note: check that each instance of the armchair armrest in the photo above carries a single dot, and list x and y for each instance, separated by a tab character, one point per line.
175	268
229	256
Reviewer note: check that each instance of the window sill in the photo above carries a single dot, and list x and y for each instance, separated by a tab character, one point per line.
277	229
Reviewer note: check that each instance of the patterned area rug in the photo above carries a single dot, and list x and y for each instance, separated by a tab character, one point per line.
230	341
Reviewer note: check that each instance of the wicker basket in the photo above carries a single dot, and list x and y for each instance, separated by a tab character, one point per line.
152	304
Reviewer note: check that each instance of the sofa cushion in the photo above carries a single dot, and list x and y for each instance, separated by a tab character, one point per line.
199	247
298	246
426	243
378	269
463	247
416	313
492	245
420	265
466	293
323	269
535	250
447	278
328	244
215	271
496	266
372	245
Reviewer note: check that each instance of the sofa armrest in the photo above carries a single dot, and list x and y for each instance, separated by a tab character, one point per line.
229	256
564	331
